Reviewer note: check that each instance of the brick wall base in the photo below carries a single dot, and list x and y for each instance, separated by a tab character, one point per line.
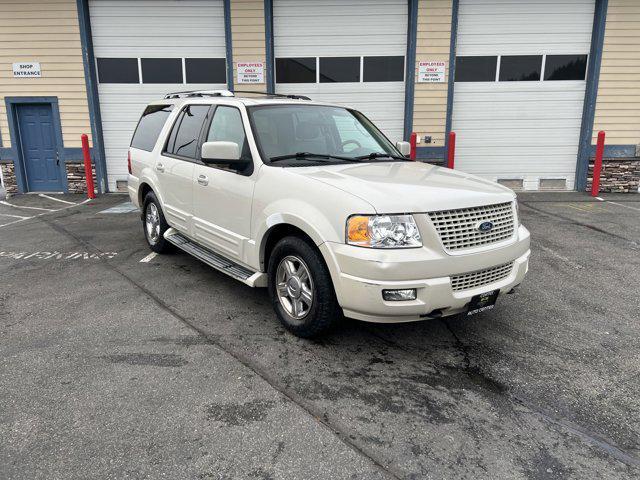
619	175
9	177
76	180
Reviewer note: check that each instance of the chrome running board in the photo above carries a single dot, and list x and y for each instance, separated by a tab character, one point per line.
215	260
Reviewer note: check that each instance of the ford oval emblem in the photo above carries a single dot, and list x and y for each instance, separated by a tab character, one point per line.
485	226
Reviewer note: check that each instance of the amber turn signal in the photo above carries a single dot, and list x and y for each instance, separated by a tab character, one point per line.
358	230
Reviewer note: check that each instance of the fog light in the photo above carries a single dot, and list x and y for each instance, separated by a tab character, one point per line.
399	295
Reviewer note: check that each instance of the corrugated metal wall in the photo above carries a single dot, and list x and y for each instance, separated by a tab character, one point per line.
618	104
45	32
433	42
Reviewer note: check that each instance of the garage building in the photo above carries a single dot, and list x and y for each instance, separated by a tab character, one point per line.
522	83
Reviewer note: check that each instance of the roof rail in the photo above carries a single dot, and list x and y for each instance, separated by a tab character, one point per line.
277	95
200	93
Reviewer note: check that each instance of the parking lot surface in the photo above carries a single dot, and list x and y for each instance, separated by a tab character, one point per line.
115	367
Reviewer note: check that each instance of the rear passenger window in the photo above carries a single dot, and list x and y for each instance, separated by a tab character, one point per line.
149	126
183	140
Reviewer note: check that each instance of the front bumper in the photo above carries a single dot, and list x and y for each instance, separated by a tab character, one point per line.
359	280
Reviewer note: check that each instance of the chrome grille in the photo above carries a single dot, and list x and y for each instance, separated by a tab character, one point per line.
458	229
481	277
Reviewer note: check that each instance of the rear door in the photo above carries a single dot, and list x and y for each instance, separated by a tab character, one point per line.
175	166
222	196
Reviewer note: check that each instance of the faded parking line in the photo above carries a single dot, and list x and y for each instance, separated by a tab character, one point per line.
56	199
46	212
149	257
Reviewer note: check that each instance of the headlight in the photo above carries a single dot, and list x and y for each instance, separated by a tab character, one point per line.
383	231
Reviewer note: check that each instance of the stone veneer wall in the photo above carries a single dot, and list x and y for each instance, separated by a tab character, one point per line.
9	177
75	178
619	175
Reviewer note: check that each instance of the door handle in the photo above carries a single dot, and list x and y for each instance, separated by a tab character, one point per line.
160	167
203	180
57	158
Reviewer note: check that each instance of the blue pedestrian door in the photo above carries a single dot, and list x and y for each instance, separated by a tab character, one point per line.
39	148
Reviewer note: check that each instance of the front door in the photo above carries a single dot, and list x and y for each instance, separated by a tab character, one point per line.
39	147
222	196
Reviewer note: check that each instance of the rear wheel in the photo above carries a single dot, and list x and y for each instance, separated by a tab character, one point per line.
301	289
155	225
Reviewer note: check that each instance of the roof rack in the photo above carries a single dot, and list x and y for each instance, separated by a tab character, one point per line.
200	93
227	93
277	95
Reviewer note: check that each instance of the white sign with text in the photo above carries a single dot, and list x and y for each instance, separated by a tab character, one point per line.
250	72
27	69
431	72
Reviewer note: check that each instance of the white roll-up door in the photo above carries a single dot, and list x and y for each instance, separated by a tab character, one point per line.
347	52
145	49
519	91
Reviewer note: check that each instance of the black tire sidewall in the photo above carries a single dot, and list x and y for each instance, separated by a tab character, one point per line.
161	246
325	311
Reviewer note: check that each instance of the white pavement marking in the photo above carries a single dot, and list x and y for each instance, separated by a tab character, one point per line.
15	216
56	199
125	207
39	214
149	257
622	205
555	254
30	208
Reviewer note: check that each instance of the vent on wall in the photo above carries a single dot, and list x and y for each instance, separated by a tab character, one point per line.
121	185
553	184
512	183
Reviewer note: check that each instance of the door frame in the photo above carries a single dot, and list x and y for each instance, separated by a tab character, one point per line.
12	104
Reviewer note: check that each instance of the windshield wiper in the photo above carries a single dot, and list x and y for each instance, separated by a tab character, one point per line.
315	156
374	155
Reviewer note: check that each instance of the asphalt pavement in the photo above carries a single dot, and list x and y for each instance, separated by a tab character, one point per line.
114	367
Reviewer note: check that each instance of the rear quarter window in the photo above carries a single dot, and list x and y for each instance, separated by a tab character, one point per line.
149	126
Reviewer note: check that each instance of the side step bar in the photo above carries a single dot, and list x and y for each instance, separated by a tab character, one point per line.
215	260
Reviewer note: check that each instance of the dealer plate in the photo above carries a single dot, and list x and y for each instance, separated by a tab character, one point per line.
483	302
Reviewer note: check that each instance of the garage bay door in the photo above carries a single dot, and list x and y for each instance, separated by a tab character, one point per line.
519	89
350	53
145	49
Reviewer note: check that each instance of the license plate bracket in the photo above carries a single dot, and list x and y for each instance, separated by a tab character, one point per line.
482	302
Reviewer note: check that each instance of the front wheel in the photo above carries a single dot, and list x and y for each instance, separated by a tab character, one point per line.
155	225
301	289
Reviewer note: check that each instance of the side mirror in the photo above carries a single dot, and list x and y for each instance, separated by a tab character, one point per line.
404	148
220	152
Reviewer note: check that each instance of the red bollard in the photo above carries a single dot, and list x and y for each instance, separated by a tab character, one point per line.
413	141
597	165
451	151
87	166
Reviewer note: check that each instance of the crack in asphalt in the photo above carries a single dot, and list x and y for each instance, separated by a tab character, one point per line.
582	224
324	419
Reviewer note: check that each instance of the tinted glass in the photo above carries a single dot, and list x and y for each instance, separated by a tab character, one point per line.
340	69
206	70
118	70
383	69
520	68
565	67
185	141
149	126
296	70
161	70
476	69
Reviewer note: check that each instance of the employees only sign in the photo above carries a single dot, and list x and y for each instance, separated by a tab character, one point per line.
431	72
250	72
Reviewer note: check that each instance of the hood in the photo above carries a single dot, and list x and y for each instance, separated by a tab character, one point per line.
399	187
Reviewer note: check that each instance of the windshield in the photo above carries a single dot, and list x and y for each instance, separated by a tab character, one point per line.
300	134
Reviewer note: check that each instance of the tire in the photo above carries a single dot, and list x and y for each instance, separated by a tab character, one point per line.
155	234
301	289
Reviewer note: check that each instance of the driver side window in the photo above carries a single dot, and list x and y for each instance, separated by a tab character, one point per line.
353	136
227	126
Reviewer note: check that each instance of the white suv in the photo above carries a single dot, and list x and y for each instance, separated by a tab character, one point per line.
312	201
